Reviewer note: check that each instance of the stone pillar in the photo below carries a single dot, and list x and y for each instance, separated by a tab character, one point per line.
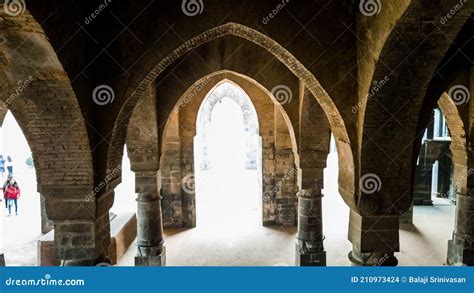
81	222
444	174
422	188
461	247
285	174
407	217
309	244
46	224
151	251
375	239
2	260
87	241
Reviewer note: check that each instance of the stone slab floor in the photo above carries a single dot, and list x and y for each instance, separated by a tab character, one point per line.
240	240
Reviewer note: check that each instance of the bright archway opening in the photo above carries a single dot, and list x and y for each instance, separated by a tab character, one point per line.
228	161
20	225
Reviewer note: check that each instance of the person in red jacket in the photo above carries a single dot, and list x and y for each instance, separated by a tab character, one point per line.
11	192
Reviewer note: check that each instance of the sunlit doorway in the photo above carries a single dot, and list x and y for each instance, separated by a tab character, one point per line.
228	161
19	231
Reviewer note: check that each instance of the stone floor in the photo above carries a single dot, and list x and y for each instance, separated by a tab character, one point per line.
237	237
242	241
422	244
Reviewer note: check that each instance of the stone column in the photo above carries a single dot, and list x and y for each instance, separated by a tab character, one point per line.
151	251
81	222
422	188
46	224
444	172
461	247
88	241
407	217
309	244
375	239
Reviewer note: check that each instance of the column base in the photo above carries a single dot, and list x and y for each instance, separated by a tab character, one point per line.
101	261
306	257
2	260
151	261
422	202
407	217
458	255
373	259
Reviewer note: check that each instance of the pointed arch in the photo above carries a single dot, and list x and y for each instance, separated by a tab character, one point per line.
346	176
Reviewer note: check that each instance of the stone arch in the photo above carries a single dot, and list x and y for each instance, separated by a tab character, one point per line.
393	104
37	91
458	141
346	172
177	150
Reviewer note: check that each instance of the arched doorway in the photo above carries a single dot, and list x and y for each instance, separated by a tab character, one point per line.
256	236
440	176
20	229
227	157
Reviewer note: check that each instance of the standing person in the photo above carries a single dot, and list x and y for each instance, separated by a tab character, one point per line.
12	193
2	166
9	165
